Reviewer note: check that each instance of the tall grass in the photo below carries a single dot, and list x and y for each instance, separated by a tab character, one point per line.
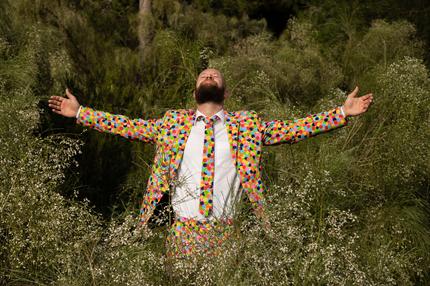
346	208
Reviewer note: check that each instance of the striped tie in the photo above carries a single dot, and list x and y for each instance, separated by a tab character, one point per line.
208	167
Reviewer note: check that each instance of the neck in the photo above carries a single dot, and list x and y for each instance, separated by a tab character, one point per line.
209	109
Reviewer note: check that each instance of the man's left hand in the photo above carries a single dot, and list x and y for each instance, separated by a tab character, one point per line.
357	105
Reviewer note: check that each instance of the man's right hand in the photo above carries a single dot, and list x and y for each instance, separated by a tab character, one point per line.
64	106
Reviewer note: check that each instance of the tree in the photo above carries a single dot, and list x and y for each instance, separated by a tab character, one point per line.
146	25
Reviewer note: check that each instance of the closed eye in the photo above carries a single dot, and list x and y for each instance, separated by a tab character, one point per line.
205	75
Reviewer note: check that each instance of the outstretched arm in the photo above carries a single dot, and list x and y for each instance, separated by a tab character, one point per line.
144	130
291	131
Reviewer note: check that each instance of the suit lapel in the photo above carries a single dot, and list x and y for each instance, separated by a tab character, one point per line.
232	131
185	123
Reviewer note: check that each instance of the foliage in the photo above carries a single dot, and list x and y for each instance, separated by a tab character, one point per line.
346	208
41	232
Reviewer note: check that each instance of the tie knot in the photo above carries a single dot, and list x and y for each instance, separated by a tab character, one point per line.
211	120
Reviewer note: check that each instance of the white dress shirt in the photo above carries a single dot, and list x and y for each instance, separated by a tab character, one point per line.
185	198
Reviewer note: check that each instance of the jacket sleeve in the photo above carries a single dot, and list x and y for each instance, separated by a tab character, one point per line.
133	129
291	131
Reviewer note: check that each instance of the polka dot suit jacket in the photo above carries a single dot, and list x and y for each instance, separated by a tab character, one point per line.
247	134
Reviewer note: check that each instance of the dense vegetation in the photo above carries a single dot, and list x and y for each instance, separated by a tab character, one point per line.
347	208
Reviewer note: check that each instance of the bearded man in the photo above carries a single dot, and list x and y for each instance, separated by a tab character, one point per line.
207	157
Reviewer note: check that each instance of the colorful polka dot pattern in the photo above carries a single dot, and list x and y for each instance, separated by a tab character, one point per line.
208	167
246	131
144	130
189	236
291	131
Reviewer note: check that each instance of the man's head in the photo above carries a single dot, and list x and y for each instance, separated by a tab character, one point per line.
210	87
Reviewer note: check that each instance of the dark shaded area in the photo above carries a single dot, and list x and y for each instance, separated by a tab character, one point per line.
104	170
414	11
277	13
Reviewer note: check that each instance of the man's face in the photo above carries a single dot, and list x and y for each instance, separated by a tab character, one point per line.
210	87
210	76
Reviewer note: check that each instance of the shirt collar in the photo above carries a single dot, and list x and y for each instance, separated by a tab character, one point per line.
220	114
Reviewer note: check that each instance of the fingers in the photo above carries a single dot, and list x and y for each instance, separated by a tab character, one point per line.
69	94
365	104
56	111
56	99
55	107
367	100
353	93
367	97
60	105
53	103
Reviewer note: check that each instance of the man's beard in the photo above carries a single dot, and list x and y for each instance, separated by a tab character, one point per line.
209	93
